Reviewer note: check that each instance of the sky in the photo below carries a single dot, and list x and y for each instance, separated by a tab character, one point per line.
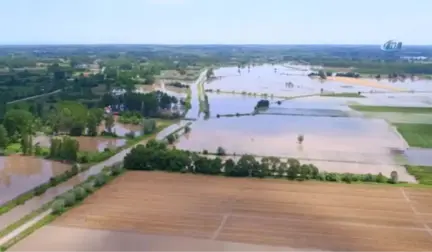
215	21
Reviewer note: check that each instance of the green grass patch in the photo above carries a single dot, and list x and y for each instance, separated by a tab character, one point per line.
416	135
16	202
356	95
13	148
419	110
423	174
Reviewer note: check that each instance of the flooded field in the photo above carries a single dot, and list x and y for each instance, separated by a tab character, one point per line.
333	131
19	174
277	135
87	143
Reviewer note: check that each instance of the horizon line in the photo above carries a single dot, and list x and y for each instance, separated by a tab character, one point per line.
192	44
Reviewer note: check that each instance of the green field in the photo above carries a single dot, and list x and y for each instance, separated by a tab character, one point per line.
423	174
416	135
391	109
355	95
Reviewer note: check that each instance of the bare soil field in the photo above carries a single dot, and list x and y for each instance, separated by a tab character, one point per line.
303	216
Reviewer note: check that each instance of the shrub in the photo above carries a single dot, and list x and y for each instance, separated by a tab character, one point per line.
380	178
101	179
39	190
116	170
171	139
69	199
58	206
88	187
187	129
205	152
80	193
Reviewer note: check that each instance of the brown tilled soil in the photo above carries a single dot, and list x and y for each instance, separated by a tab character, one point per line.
308	215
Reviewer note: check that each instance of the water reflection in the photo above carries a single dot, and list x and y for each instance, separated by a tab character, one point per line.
19	174
276	135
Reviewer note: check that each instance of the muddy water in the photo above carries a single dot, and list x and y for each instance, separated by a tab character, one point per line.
36	202
122	129
87	143
263	79
19	174
349	139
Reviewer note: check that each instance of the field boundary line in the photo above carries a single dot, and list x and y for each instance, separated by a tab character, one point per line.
408	200
221	225
416	213
428	229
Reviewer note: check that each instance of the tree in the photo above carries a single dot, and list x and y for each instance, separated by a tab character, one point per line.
229	167
322	74
245	166
109	123
220	151
26	144
293	169
17	121
209	73
92	125
4	139
171	138
394	177
300	138
149	126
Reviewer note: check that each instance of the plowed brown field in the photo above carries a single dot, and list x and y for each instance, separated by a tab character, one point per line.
275	212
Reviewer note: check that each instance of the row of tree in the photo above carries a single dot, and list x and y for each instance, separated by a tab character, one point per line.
156	156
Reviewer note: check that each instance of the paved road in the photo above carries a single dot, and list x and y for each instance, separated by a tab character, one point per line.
35	96
24	227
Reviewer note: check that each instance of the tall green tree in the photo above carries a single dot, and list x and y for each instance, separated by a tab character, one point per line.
17	121
4	139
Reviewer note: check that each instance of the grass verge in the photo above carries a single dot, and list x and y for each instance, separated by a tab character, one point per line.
352	95
416	135
364	108
46	220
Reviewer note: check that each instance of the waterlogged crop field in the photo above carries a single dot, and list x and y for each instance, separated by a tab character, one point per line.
269	212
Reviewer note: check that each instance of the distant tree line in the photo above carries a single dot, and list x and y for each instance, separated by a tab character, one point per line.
157	156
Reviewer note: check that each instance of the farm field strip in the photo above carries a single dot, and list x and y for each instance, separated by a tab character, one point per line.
300	215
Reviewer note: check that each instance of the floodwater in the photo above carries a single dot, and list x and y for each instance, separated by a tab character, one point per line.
419	156
36	202
19	174
87	143
122	129
264	79
343	138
